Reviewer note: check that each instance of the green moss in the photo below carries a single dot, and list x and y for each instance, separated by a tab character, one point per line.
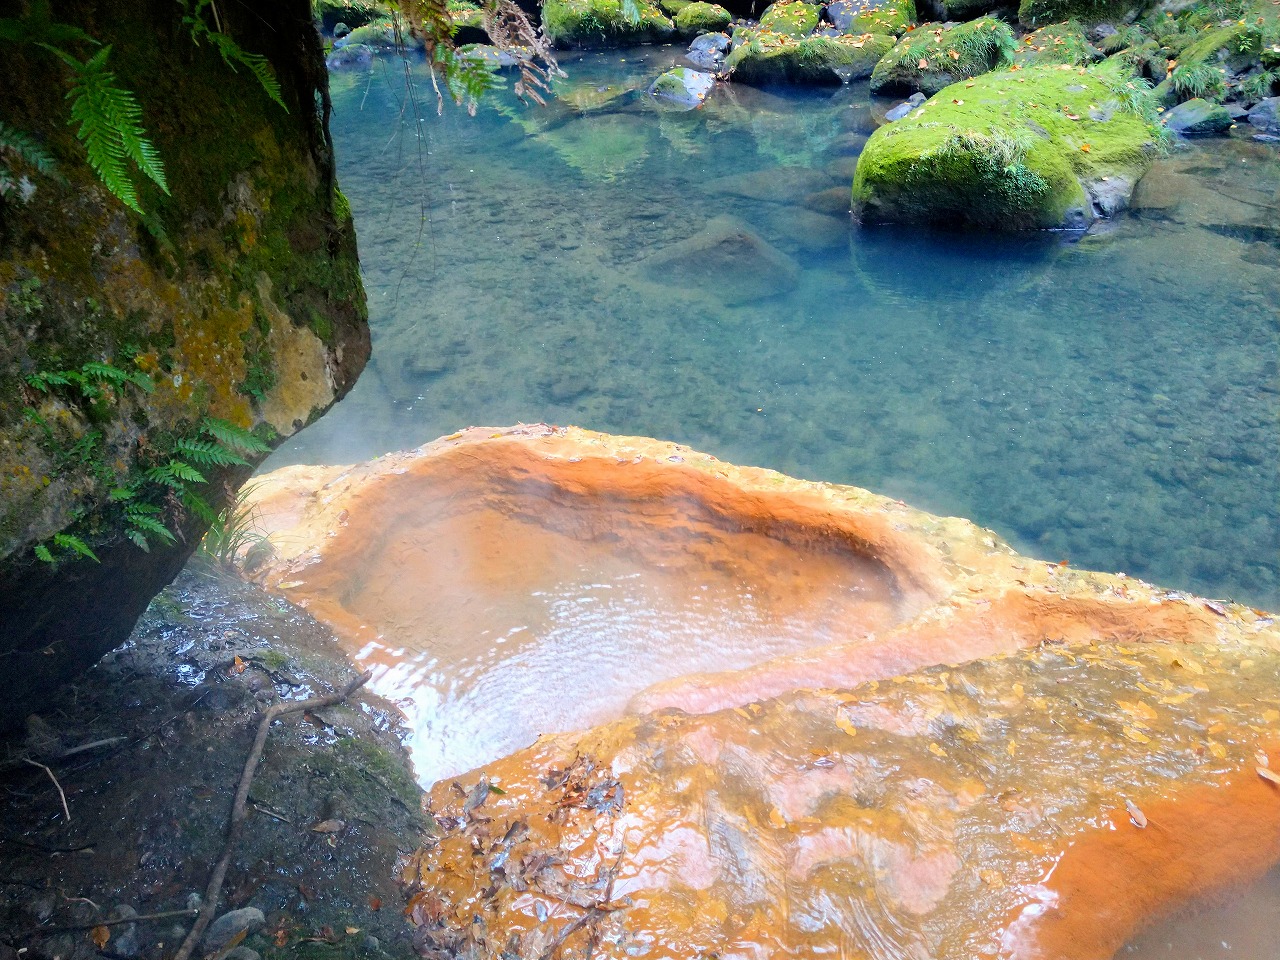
1058	43
789	18
379	33
813	60
602	23
888	17
703	18
1005	151
936	55
1037	13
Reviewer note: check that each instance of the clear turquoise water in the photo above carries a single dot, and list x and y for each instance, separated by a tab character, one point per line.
1113	402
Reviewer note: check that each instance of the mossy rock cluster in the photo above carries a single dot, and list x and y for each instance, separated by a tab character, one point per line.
1038	13
817	60
603	23
1028	149
935	55
696	18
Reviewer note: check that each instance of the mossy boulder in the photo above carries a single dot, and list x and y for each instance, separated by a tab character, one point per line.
936	55
962	10
1198	118
468	25
1039	13
789	18
1043	147
603	23
234	297
814	60
701	17
672	7
1057	43
330	13
380	35
872	16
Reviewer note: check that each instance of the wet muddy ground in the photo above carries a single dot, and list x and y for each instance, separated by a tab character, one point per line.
173	715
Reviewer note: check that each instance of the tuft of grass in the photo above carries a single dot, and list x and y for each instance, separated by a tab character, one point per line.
1191	80
234	530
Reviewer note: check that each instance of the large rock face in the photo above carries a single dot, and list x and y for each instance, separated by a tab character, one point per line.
235	297
990	755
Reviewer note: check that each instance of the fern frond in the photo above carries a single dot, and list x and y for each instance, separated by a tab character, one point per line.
232	53
200	507
69	542
208	453
42	553
229	435
23	147
111	128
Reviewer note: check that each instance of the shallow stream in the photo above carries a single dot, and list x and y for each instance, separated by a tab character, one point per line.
1111	400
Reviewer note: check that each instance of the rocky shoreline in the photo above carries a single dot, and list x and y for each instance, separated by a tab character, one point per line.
1046	116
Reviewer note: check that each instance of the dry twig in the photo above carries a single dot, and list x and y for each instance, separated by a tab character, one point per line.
213	891
55	783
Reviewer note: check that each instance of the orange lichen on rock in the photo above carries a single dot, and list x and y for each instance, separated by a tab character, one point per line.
979	754
949	814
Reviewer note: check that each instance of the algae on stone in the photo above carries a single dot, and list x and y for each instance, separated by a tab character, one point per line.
701	17
872	16
813	60
935	55
1009	150
789	18
603	23
1058	43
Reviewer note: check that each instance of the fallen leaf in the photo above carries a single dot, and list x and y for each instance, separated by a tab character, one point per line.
845	724
329	826
1266	773
1085	147
953	55
352	930
100	935
1137	736
1136	816
958	103
1218	750
936	750
238	664
923	64
282	937
778	820
375	904
992	878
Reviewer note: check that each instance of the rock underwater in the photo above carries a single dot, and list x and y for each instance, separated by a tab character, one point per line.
1001	757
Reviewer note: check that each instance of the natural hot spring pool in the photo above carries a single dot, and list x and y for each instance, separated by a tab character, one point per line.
1111	402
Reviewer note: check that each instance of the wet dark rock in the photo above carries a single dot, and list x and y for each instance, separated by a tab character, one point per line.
247	920
1198	118
355	55
243	953
904	108
708	50
1265	116
124	938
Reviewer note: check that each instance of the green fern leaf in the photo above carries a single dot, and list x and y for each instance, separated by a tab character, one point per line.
258	65
42	553
23	147
184	471
200	507
143	525
140	539
208	453
111	128
233	437
74	543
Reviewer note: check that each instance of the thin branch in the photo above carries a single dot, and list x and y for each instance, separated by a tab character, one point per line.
140	918
213	891
55	783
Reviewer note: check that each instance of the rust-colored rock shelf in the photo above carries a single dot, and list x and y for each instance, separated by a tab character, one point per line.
919	744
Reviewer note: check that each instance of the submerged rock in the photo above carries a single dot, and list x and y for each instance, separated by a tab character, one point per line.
742	266
683	87
1043	147
1265	116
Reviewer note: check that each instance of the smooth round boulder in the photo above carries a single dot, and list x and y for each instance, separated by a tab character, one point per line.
682	87
1196	118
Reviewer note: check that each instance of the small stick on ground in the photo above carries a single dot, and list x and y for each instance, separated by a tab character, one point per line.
238	809
55	783
140	918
